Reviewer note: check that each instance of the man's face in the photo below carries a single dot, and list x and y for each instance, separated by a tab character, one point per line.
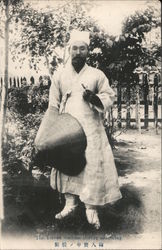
78	52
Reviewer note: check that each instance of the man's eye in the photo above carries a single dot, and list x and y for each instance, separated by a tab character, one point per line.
74	48
82	48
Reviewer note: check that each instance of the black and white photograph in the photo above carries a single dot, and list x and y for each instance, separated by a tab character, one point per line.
80	124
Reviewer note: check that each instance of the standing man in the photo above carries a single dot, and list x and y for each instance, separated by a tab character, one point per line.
84	92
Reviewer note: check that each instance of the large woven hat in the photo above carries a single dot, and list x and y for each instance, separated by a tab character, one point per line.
61	143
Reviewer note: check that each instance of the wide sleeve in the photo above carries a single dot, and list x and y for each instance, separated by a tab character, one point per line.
104	92
55	93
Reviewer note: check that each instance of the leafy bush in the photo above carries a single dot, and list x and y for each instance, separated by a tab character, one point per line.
21	132
28	99
18	100
26	107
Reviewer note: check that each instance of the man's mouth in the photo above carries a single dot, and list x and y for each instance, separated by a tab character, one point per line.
78	58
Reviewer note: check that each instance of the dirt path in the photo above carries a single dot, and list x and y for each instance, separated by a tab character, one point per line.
138	159
132	222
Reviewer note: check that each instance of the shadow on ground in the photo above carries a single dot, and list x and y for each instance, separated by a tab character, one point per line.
31	205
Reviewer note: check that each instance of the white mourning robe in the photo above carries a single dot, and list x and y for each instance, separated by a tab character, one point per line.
97	184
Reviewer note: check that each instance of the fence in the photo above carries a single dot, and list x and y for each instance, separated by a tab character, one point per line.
141	104
18	82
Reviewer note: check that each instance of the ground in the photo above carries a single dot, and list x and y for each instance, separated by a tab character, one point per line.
132	222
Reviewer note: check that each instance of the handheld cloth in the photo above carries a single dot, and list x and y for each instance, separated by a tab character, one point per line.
60	143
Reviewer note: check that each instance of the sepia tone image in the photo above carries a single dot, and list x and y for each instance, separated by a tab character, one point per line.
80	124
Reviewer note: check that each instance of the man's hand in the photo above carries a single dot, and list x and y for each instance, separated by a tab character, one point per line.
90	97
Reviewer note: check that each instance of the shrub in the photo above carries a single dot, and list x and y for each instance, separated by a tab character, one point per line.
26	106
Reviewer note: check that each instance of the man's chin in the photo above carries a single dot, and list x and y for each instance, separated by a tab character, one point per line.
78	61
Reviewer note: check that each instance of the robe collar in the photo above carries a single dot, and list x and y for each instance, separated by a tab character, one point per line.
70	66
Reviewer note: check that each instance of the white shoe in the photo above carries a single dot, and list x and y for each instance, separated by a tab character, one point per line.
68	209
92	217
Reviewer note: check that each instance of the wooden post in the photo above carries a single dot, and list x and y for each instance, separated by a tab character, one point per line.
119	117
18	82
138	116
32	81
156	101
10	83
128	106
146	105
14	82
1	82
21	82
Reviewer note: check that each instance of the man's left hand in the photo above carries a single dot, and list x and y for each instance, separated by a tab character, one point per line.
92	98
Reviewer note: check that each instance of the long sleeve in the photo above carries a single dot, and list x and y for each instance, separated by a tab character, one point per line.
55	93
105	92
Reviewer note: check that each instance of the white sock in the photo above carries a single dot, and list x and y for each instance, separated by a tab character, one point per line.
71	199
92	216
70	205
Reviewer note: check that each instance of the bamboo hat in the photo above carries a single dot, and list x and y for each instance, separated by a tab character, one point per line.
61	142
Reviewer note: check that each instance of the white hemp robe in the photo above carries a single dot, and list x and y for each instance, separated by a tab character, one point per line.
97	184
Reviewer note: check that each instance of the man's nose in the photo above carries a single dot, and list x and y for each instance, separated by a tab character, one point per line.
78	51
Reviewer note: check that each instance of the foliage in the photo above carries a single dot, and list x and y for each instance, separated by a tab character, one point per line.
142	21
20	140
23	119
18	101
119	56
38	98
130	52
45	35
15	6
42	33
28	99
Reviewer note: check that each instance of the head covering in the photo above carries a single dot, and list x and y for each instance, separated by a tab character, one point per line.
77	35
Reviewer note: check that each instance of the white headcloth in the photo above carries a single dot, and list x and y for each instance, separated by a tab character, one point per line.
77	35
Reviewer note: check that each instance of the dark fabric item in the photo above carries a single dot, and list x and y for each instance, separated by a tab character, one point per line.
90	97
60	143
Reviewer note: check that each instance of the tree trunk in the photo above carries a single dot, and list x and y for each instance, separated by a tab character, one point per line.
4	107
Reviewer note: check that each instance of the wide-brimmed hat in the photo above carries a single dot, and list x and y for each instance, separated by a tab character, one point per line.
61	143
